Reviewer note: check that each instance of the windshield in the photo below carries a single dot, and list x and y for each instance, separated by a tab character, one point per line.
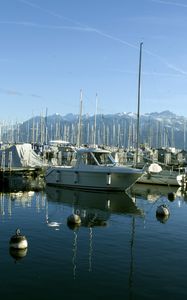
97	158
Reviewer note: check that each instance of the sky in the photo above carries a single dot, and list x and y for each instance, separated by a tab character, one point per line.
51	50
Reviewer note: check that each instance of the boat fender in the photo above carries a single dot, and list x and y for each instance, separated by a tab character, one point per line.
108	179
18	241
162	210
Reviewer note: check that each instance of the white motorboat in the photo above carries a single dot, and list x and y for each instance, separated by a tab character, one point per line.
94	168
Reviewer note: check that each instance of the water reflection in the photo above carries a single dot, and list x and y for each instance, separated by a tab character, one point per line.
154	192
17	254
94	208
149	197
16	183
93	252
26	199
162	219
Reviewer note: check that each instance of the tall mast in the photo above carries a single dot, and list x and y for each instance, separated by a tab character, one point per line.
33	130
46	128
95	121
138	111
80	121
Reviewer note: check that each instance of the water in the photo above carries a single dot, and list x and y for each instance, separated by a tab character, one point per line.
120	250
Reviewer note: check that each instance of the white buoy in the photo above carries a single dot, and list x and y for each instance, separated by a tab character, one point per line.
74	219
162	210
18	241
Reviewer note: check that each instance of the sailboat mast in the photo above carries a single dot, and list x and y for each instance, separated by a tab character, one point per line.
80	121
138	111
95	122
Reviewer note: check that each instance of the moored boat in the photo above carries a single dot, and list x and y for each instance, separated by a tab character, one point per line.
156	175
94	168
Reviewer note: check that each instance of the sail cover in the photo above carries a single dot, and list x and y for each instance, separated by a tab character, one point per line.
19	155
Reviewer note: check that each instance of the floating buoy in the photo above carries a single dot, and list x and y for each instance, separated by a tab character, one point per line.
18	241
171	196
74	219
162	219
162	210
18	254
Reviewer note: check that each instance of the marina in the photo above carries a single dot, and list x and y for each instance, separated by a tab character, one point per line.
121	248
93	195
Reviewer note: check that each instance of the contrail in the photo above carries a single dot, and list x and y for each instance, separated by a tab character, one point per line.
148	73
31	24
80	26
170	3
12	92
49	11
101	33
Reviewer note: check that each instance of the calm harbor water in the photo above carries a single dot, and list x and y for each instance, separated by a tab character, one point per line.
120	250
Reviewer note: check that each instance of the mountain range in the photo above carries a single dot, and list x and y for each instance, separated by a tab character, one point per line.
164	129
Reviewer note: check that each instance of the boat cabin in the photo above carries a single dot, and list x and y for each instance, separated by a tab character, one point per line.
97	157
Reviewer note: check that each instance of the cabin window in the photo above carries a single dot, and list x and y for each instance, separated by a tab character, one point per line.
88	159
103	158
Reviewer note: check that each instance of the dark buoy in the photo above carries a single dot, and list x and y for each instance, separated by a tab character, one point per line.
171	196
162	210
18	241
162	219
162	213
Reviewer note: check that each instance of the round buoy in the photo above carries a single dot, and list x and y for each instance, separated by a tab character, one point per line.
162	219
18	254
162	210
74	219
18	241
171	196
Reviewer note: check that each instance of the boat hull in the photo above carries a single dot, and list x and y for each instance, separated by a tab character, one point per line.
162	178
96	178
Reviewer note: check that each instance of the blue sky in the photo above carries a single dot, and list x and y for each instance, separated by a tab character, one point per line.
51	49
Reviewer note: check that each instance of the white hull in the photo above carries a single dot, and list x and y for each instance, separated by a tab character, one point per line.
162	178
96	177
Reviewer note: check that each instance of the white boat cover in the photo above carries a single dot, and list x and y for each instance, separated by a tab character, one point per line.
155	168
19	155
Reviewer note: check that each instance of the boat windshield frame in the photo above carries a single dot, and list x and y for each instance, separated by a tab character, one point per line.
96	158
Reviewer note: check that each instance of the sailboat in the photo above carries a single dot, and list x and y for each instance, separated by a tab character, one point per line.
154	174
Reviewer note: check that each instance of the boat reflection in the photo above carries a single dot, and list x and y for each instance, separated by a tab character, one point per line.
94	207
154	192
15	183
